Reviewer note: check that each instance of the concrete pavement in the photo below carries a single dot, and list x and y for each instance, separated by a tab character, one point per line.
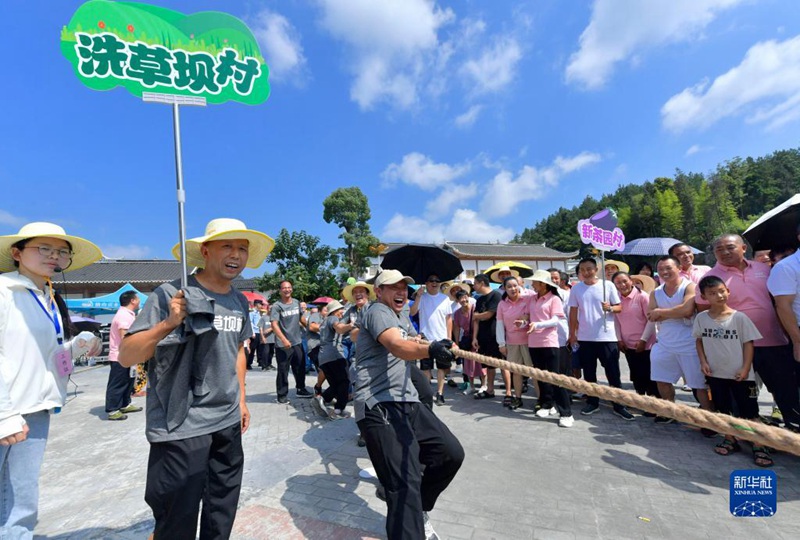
523	477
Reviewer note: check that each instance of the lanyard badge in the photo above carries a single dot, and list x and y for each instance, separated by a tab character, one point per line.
62	358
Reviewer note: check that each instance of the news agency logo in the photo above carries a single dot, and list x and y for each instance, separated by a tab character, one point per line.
753	493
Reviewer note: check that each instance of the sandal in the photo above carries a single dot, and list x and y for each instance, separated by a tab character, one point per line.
507	400
727	447
483	394
761	456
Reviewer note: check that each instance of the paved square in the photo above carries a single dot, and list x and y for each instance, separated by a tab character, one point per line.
523	477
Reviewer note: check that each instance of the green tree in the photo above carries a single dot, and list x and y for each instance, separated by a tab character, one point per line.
309	265
349	209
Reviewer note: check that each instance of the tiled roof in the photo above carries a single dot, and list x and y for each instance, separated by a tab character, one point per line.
126	271
245	284
507	251
474	250
121	271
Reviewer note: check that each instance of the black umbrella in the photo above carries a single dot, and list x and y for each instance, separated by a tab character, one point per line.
777	228
420	261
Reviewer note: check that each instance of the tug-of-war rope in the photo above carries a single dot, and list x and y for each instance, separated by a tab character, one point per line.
761	434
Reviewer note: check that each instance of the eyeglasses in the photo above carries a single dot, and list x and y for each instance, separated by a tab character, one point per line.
434	281
47	251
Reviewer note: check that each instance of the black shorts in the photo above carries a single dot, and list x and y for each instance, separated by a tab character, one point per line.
426	364
489	349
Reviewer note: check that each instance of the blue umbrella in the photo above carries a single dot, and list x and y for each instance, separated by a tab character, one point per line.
650	247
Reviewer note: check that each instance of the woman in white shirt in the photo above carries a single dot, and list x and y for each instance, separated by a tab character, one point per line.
35	360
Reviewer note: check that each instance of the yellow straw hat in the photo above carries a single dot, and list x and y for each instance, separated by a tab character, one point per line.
348	291
648	283
496	274
453	287
227	229
621	266
84	252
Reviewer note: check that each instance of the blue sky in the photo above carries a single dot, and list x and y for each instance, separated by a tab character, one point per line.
460	120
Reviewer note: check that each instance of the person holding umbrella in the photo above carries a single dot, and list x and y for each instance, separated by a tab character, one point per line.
435	323
37	348
773	360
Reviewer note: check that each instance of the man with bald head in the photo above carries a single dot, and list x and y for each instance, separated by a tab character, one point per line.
773	359
683	252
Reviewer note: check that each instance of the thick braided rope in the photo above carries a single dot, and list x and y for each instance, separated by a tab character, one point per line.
761	434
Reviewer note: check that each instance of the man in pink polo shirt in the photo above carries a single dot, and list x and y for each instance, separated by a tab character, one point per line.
773	359
683	252
120	382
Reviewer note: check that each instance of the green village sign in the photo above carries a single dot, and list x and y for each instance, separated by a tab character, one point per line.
147	48
164	56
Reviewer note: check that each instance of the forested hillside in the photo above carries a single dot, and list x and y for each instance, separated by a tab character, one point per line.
692	207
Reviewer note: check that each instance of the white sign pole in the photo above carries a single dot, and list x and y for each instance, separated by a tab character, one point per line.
176	102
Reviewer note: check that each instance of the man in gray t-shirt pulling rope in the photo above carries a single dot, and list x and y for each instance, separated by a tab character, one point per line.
402	436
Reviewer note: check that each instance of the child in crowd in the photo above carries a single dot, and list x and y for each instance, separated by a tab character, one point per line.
725	346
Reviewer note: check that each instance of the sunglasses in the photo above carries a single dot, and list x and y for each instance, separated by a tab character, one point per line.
434	281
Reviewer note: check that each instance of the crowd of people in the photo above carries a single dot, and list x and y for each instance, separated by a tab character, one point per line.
724	331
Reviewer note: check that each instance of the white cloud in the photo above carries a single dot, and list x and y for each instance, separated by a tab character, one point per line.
695	148
468	118
452	195
621	30
406	53
419	170
280	44
465	226
495	68
507	191
130	251
7	218
392	40
765	86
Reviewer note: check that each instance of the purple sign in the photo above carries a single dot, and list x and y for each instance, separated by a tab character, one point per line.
601	231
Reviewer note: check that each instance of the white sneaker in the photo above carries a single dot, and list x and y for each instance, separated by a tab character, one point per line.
430	534
469	391
566	421
335	414
319	406
544	413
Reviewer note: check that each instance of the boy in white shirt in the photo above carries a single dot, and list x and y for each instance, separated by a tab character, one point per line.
725	346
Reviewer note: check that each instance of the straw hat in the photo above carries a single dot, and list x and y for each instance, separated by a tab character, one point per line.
348	291
543	276
333	306
227	229
494	276
619	264
390	277
84	252
451	287
648	283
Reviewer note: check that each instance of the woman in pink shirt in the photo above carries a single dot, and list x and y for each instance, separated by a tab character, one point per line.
635	334
512	338
462	334
544	312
